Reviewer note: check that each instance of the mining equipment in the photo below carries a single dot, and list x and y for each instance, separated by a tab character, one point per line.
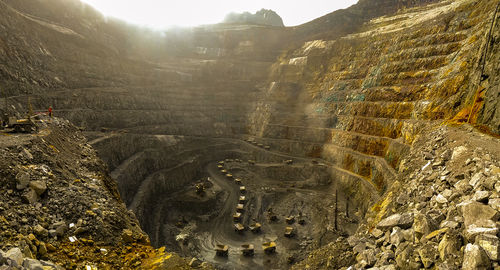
222	250
289	232
269	247
255	228
247	250
239	228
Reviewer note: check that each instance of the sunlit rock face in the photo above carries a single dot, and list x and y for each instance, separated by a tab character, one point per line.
261	17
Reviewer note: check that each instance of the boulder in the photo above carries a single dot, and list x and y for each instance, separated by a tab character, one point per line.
42	249
475	258
367	258
441	199
447	193
463	186
127	236
473	231
481	196
39	187
477	213
32	264
22	180
407	257
377	233
385	257
490	244
397	236
16	256
403	221
29	196
423	225
449	246
458	151
27	252
476	179
40	231
449	224
59	228
428	255
494	203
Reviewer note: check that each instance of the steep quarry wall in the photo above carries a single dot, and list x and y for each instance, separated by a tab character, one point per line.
360	100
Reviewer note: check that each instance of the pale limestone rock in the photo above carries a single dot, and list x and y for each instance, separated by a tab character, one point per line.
475	258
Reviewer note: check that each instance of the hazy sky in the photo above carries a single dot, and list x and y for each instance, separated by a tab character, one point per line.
164	13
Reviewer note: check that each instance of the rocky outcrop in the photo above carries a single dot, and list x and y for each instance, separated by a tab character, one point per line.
261	17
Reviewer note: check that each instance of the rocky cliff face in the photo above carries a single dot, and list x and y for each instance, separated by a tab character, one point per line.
363	98
261	17
354	91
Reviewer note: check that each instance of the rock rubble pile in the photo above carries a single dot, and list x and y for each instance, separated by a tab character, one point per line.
443	212
55	196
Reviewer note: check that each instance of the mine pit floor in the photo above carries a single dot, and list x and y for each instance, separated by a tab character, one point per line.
271	189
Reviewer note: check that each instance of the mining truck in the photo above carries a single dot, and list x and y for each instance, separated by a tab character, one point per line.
21	125
239	228
269	247
222	250
242	199
289	232
237	181
243	189
247	250
290	219
237	217
256	227
239	208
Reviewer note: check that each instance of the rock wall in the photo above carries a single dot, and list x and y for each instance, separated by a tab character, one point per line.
490	113
359	101
262	17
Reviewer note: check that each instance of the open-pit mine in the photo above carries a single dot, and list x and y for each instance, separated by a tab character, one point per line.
365	139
